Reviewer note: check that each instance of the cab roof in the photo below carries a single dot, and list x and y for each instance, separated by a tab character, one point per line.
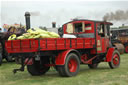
102	22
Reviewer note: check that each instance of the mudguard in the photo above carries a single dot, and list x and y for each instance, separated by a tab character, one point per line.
60	59
109	54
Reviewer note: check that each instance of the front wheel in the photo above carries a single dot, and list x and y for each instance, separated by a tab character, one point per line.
71	67
115	61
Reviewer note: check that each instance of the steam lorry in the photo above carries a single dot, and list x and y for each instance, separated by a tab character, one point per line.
91	46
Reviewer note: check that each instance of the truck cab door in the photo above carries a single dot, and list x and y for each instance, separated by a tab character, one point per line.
102	38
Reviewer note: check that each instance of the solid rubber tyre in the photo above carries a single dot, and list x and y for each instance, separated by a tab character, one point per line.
115	61
71	66
37	69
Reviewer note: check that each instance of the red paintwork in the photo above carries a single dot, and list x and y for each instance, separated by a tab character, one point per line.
126	49
109	54
22	46
32	45
87	31
116	59
93	51
72	65
28	61
64	43
104	42
89	61
84	58
60	59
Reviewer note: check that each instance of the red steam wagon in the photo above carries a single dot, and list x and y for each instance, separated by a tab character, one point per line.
90	45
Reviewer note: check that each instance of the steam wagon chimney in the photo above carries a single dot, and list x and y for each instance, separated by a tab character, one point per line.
27	18
53	24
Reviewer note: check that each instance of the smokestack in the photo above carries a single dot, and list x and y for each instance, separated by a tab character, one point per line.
27	18
53	24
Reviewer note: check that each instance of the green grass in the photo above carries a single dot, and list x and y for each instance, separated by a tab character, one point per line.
103	75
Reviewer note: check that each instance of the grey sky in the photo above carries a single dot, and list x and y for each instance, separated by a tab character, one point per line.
58	11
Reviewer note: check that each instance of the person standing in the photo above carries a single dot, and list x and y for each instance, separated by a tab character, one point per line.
5	27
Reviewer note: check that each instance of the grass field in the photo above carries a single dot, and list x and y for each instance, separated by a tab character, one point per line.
103	75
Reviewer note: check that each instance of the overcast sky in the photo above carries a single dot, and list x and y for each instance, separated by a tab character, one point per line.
61	12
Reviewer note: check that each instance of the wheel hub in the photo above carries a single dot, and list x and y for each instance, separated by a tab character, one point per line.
72	65
116	59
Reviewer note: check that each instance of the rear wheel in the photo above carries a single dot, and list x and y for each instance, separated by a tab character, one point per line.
93	66
37	69
71	67
115	62
126	48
